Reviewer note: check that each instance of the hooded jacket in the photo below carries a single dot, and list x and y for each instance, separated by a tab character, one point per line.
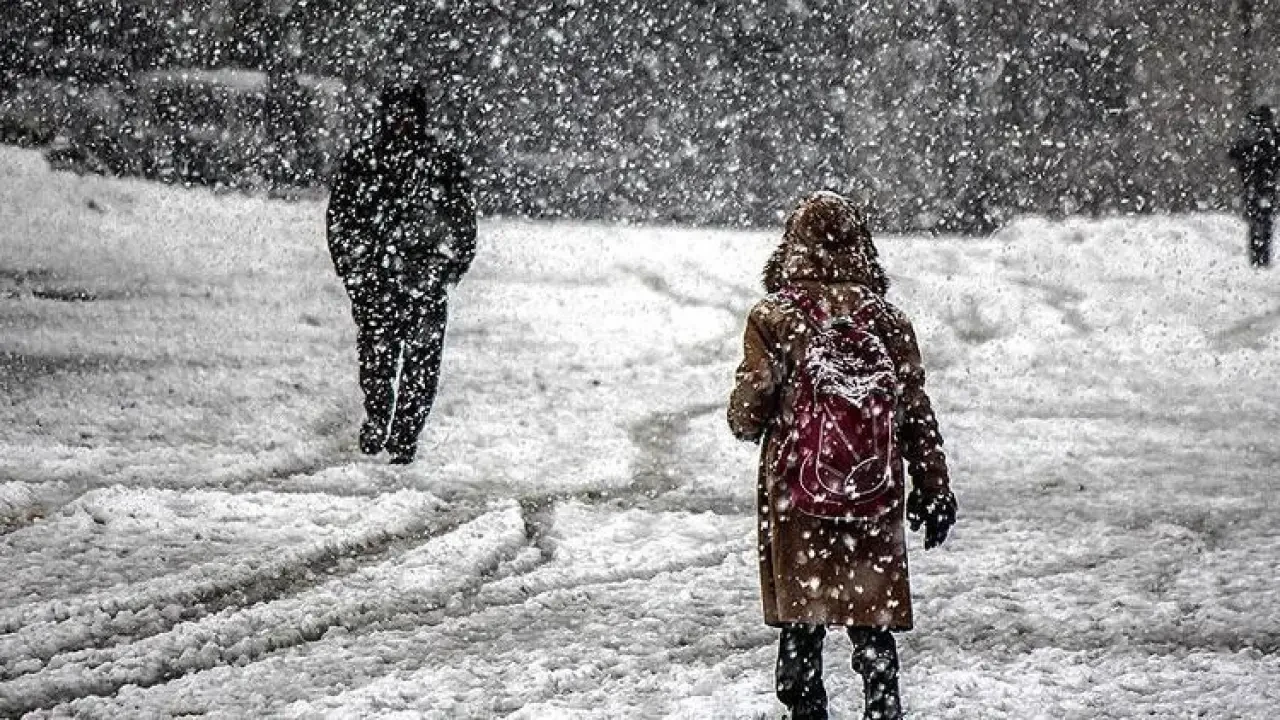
813	570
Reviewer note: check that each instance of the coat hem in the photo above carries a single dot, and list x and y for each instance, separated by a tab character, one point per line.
907	627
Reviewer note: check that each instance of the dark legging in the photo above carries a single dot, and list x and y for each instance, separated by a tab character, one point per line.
404	331
1260	227
1258	208
799	671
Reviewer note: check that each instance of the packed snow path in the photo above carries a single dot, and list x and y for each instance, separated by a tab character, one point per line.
186	526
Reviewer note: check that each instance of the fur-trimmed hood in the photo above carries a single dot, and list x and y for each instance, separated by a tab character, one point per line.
826	240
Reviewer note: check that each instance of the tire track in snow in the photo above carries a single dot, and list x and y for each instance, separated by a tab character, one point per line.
60	490
512	597
409	584
31	650
35	634
715	505
658	438
1250	331
1063	299
22	503
22	374
466	614
1016	635
741	298
328	429
518	589
658	435
655	474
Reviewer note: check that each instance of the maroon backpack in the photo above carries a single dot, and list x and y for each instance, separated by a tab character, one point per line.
837	457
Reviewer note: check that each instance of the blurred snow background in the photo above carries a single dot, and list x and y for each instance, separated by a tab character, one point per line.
951	115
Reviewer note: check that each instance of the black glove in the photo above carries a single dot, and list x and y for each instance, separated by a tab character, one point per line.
937	512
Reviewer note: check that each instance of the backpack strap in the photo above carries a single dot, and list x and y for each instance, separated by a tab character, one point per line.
812	311
870	307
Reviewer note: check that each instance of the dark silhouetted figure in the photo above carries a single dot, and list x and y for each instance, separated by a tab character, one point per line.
402	230
1257	156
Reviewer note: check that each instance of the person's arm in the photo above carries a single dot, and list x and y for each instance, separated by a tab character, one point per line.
931	502
758	380
342	223
918	435
459	210
1239	153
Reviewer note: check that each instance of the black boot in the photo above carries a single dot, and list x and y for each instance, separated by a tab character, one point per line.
875	658
799	672
809	711
402	454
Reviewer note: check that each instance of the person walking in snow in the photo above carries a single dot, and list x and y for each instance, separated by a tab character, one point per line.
401	231
830	556
1256	155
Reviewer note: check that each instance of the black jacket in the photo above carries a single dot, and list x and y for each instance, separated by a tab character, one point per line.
1257	156
402	215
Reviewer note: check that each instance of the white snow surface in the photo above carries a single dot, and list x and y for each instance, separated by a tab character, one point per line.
187	527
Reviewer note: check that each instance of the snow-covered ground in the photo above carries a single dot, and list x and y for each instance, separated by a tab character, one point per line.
187	528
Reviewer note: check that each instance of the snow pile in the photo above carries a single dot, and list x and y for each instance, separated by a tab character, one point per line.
19	504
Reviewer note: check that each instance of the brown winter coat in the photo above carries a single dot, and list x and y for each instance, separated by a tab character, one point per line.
813	570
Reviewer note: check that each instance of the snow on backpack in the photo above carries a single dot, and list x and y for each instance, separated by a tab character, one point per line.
837	457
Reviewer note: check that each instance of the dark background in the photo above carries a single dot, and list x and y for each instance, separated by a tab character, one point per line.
948	115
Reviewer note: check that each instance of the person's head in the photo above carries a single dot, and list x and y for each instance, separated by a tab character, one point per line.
829	220
404	111
827	230
1262	116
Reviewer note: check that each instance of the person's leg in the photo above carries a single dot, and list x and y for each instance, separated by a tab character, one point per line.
1262	244
875	658
378	349
799	671
1257	213
1255	236
420	373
